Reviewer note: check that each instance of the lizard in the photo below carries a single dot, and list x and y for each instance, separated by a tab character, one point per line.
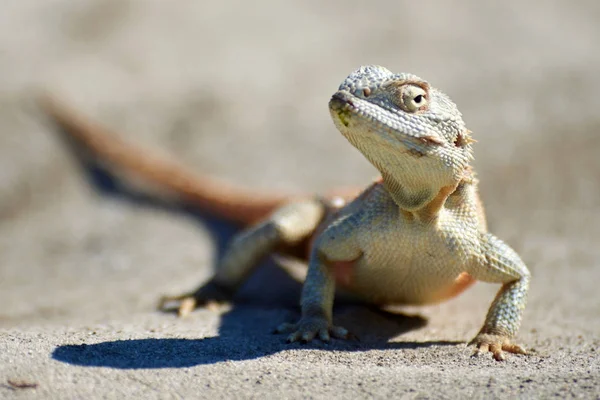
417	235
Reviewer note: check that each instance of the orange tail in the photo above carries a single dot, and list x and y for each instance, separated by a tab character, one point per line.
226	201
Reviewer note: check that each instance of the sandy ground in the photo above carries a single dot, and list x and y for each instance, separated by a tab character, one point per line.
239	89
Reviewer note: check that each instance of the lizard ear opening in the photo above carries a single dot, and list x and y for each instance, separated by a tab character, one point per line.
463	139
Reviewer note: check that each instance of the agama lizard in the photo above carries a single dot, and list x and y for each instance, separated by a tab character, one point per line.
415	236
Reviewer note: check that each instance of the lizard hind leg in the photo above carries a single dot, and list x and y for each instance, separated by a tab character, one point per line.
288	226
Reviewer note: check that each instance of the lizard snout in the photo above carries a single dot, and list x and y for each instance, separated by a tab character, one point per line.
340	99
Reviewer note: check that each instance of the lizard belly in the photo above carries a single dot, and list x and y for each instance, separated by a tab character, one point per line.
406	264
397	285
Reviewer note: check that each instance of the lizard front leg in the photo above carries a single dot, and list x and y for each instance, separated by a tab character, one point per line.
334	248
287	226
317	306
502	265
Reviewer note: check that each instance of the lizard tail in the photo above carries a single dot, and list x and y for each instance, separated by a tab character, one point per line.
232	203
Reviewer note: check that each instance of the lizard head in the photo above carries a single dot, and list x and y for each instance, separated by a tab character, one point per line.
412	133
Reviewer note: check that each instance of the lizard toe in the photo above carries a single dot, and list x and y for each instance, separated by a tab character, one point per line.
514	348
294	337
324	335
308	336
186	306
340	332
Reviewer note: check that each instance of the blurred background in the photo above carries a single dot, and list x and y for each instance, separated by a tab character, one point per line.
240	89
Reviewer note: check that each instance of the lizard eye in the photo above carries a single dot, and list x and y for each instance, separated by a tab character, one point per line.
414	98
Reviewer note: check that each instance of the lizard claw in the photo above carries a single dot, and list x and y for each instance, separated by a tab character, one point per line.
495	344
208	295
309	328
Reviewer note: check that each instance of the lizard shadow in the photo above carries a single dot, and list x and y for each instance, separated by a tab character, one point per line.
243	335
270	296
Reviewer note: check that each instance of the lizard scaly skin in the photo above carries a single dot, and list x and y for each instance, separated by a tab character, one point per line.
416	236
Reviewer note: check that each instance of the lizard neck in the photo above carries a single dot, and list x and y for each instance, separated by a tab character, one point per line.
410	188
408	196
422	200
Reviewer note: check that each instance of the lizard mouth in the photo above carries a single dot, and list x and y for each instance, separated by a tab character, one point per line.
341	100
342	106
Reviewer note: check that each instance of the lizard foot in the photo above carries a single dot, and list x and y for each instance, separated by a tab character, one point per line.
307	329
495	344
208	295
